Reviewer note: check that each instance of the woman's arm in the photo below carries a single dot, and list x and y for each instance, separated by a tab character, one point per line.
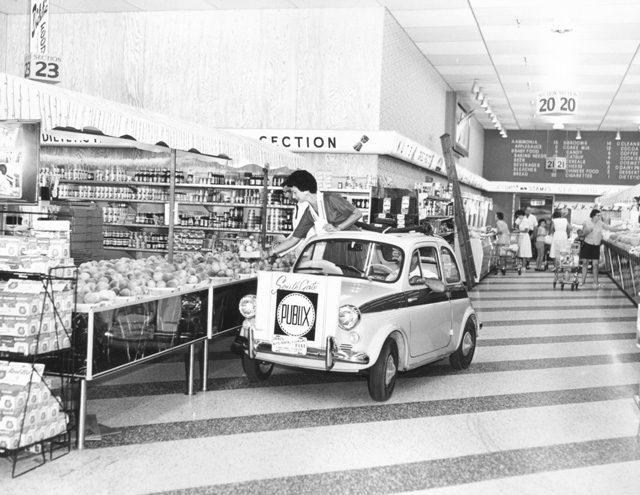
341	214
285	245
345	224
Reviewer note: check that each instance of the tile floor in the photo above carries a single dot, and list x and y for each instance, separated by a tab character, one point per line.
546	408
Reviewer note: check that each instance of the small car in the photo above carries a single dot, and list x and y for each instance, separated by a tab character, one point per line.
361	302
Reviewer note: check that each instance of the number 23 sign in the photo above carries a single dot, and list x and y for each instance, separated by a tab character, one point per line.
557	103
43	67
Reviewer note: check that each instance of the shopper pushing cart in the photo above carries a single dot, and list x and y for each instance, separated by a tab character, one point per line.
567	264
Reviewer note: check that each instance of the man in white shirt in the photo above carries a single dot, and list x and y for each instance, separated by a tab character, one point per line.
528	224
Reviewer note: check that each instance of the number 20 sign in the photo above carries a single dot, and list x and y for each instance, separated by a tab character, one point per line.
43	67
557	103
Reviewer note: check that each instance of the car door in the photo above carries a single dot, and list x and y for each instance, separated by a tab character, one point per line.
456	288
430	312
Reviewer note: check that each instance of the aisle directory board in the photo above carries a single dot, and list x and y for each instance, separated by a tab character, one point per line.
556	156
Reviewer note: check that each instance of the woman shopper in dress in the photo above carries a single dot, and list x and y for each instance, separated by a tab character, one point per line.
560	230
524	241
327	212
539	235
590	249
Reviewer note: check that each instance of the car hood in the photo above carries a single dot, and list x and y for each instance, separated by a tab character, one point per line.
364	292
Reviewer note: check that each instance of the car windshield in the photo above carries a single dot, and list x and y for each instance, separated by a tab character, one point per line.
353	259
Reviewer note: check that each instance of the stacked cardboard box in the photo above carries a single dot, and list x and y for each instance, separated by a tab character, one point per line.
28	323
86	231
29	413
398	212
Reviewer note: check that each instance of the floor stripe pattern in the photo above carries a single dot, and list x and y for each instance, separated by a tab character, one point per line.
546	407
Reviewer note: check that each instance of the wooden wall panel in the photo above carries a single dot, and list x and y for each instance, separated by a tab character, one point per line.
3	42
253	68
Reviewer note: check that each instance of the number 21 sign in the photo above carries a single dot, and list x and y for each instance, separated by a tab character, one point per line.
43	67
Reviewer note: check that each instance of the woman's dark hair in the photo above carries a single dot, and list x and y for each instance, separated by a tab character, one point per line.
557	214
500	215
3	168
518	213
303	180
594	212
541	220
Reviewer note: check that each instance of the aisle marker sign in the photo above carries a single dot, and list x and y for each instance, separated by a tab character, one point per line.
556	163
557	103
39	64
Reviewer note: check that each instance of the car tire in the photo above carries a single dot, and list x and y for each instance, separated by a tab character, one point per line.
383	374
256	370
462	357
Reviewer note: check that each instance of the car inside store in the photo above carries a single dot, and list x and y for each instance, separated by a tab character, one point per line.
289	246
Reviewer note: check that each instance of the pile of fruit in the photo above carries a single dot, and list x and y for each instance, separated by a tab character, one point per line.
627	241
125	277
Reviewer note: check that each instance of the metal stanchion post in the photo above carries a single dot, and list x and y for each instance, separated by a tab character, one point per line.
82	414
205	364
192	360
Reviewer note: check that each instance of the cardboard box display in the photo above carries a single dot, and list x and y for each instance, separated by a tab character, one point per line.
19	325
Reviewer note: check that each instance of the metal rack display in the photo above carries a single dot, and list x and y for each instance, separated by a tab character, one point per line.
41	347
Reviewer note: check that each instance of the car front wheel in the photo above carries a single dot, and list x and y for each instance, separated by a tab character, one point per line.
461	359
382	378
256	370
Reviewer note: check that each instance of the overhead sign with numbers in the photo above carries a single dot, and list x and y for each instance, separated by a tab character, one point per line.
43	67
39	65
557	103
556	163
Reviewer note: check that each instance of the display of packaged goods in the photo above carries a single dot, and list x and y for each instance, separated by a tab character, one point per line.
33	345
26	326
12	245
19	326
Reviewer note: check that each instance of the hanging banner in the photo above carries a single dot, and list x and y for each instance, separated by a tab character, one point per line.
39	26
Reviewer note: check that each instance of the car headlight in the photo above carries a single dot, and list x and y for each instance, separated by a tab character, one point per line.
247	306
348	317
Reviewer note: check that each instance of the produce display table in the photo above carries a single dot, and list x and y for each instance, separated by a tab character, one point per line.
624	268
111	336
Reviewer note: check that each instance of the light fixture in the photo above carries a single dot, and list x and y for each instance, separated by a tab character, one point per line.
618	138
494	119
475	89
488	109
479	96
578	135
485	102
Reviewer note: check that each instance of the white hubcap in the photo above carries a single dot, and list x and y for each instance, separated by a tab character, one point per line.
391	370
467	343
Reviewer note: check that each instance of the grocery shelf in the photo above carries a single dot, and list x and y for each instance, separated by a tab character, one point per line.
114	183
115	200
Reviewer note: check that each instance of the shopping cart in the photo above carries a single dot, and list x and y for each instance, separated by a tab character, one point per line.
506	255
567	264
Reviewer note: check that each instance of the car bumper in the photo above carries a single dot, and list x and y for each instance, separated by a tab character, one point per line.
330	358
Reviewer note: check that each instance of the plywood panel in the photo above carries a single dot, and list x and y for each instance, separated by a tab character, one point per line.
253	68
3	42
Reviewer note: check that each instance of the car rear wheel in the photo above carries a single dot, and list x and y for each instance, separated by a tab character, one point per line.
461	359
256	370
382	378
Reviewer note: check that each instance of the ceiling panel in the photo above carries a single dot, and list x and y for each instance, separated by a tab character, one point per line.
508	45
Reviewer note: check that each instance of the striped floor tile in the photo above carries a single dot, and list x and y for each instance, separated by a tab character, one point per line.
547	407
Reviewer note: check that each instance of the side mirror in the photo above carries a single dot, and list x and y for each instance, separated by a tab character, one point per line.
435	284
